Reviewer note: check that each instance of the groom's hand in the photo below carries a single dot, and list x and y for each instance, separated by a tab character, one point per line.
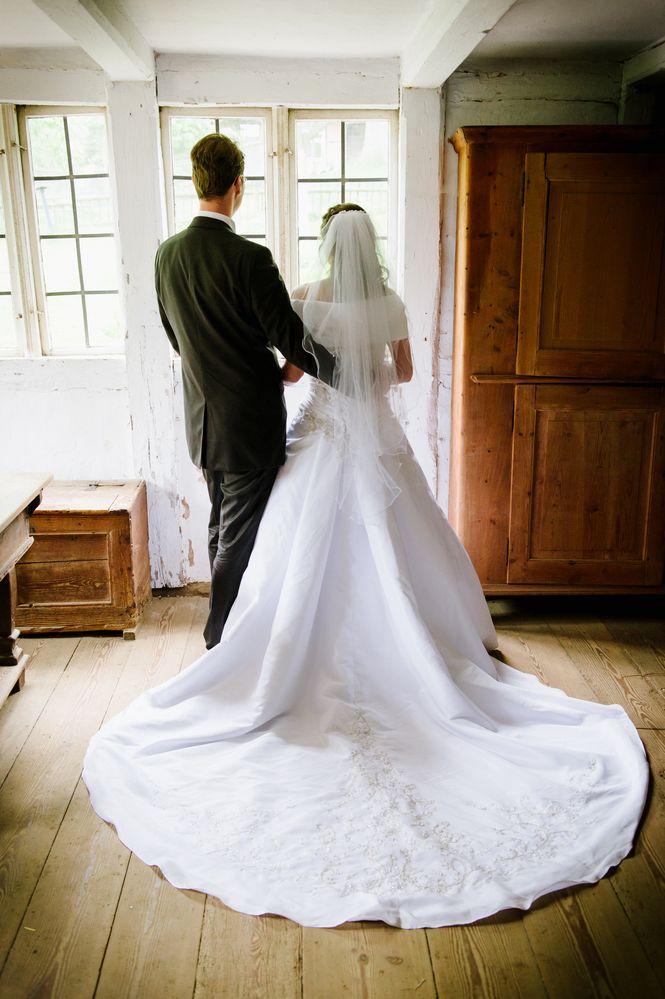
291	373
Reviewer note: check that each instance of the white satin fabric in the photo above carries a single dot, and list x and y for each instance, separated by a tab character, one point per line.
351	750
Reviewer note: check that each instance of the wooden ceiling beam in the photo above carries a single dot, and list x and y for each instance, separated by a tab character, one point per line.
647	63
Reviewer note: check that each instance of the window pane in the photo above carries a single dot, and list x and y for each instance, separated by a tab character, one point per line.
319	148
54	207
93	204
366	148
87	140
324	165
186	203
69	214
104	322
7	329
185	132
65	322
313	201
309	263
61	271
249	134
48	149
98	260
250	218
373	197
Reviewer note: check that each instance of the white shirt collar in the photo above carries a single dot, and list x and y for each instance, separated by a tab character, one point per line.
218	215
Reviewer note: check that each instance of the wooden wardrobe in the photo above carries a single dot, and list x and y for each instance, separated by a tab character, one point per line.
557	480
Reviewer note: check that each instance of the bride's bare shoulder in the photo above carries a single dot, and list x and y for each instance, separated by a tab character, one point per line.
319	290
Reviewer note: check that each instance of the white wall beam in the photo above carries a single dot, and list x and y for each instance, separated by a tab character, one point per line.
102	30
420	263
50	76
134	126
365	83
644	64
446	38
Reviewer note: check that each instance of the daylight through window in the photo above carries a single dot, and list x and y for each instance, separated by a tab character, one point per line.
73	217
249	133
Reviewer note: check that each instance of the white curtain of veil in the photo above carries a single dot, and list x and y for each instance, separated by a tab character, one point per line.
351	312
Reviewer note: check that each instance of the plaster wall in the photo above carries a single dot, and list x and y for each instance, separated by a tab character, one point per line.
69	416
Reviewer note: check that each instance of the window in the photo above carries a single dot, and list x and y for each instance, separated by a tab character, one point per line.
250	129
58	250
340	157
70	211
298	164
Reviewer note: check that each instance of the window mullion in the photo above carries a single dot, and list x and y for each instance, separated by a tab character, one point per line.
275	167
291	207
21	271
77	240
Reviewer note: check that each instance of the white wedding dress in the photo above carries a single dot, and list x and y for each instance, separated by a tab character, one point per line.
352	750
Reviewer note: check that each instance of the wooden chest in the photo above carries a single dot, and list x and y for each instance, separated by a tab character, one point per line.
88	567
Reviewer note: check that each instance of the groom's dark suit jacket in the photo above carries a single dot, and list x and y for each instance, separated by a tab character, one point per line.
224	307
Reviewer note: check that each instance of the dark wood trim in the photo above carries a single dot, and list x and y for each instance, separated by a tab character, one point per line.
480	377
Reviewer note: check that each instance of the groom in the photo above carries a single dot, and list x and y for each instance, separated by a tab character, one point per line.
225	308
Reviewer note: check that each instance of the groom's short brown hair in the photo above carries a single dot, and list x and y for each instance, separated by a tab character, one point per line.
216	163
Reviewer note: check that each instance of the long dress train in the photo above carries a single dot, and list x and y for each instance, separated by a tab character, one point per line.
352	750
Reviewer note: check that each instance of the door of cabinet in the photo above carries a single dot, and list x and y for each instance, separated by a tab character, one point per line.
587	499
592	282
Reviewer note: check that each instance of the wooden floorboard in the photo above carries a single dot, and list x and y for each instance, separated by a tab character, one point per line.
49	658
82	917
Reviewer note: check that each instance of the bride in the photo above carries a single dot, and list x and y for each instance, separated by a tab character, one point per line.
352	750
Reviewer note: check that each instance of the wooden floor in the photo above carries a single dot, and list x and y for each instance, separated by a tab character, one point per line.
80	916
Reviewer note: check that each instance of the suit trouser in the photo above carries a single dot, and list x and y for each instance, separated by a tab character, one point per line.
238	500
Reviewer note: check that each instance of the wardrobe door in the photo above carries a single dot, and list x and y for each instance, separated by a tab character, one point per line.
588	492
592	286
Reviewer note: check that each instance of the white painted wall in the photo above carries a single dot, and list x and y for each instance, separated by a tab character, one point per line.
419	267
69	416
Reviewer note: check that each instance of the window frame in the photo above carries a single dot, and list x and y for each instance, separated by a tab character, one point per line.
24	112
166	112
24	307
281	170
341	114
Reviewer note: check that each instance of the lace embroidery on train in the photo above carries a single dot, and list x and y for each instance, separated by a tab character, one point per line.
414	849
312	415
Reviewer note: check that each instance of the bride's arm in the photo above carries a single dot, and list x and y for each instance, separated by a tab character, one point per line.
290	372
401	350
